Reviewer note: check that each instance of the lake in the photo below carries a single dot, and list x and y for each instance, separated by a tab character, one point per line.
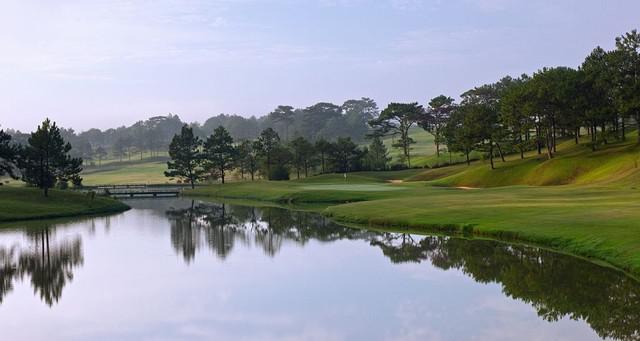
175	269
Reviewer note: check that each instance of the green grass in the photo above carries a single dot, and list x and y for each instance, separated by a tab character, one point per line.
148	171
592	209
29	203
595	222
601	223
423	152
580	202
423	147
612	165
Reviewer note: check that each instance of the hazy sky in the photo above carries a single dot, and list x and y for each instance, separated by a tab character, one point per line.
110	63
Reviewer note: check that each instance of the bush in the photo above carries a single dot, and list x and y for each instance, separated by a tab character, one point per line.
398	166
279	173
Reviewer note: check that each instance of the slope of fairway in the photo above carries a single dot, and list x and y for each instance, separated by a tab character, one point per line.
29	203
613	165
592	222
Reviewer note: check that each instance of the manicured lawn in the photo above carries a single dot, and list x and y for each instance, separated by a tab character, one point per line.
134	172
601	223
29	203
615	165
597	222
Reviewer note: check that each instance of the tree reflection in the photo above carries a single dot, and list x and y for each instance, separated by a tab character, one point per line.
220	226
555	285
48	263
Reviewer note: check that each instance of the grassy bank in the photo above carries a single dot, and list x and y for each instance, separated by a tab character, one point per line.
591	221
29	203
599	223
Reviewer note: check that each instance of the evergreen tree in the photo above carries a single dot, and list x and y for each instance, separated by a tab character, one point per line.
396	120
186	157
344	154
377	156
323	148
302	152
100	153
267	143
45	160
241	157
435	118
252	159
8	155
220	152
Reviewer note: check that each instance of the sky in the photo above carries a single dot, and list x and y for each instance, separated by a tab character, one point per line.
102	64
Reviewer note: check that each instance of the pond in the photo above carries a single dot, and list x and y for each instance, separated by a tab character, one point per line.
183	269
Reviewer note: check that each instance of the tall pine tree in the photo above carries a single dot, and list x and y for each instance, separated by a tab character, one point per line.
46	160
220	152
8	155
186	157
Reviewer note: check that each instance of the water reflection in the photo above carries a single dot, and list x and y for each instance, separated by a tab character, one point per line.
47	262
220	226
555	285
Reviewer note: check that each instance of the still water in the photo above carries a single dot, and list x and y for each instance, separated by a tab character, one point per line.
182	269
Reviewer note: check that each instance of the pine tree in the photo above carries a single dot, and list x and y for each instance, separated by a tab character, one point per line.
377	155
46	160
186	157
220	152
8	155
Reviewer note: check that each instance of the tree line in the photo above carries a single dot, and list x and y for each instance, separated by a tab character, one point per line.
513	115
194	159
152	136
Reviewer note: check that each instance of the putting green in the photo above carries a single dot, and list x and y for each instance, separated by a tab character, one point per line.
353	187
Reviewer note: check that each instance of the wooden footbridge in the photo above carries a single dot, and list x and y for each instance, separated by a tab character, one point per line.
138	190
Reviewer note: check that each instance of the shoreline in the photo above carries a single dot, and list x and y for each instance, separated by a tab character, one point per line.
28	204
477	213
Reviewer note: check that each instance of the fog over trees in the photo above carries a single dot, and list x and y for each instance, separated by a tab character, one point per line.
152	136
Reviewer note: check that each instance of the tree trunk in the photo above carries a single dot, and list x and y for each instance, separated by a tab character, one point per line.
268	167
553	135
46	191
491	154
538	140
638	124
577	135
622	129
500	151
549	145
466	153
